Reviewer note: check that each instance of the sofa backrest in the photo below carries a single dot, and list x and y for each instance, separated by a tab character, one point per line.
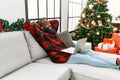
36	51
14	52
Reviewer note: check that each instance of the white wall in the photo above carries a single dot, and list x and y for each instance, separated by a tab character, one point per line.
113	6
14	9
11	10
114	9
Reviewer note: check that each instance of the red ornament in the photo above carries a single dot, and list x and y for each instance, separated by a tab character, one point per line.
103	1
101	34
96	3
17	23
7	29
111	33
92	14
1	26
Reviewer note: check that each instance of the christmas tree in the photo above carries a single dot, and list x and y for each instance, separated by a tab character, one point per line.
94	22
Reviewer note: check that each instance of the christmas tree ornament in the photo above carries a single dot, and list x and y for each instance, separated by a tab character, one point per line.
1	26
101	34
92	14
85	20
96	3
93	23
83	16
97	33
103	1
99	23
89	20
88	34
90	7
16	23
7	29
115	29
78	36
87	25
111	33
98	16
108	20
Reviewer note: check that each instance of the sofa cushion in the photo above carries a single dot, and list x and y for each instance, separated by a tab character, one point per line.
87	72
35	71
35	49
14	52
67	39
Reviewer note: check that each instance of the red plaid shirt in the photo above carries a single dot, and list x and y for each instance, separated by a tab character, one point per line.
50	41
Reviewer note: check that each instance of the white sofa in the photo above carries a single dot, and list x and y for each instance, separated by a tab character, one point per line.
16	60
21	58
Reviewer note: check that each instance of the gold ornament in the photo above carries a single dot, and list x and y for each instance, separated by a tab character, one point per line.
115	29
90	7
83	16
78	36
87	25
98	16
108	20
88	34
98	33
93	23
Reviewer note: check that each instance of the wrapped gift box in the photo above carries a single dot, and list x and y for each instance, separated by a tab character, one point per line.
116	38
118	51
111	50
107	44
108	40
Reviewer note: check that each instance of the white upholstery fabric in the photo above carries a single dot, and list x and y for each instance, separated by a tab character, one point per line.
35	71
86	72
13	52
36	51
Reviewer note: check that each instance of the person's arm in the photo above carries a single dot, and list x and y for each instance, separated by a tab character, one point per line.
50	30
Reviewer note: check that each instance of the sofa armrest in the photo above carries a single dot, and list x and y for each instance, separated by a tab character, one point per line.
88	45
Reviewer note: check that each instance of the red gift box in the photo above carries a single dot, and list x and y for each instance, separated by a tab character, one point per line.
108	40
118	51
116	38
111	50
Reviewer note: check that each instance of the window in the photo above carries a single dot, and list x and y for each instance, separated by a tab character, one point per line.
75	9
36	9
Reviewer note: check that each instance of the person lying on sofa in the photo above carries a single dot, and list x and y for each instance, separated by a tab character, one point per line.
45	34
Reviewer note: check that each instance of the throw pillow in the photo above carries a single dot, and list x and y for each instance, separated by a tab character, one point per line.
67	39
35	49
